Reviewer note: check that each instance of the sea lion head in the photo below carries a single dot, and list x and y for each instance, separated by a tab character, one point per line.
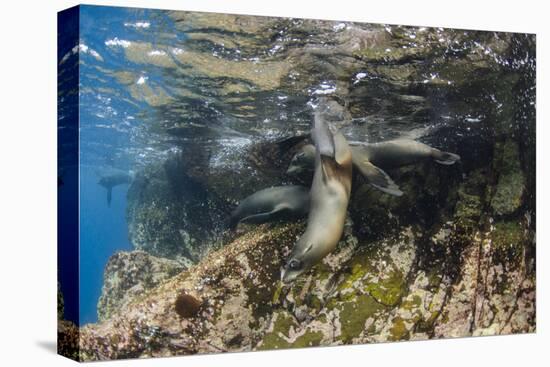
303	161
300	260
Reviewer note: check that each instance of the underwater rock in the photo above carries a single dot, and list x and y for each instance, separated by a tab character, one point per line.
130	274
511	182
235	284
67	332
60	303
68	339
171	215
429	190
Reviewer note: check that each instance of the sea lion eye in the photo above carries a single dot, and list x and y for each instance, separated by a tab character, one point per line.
294	264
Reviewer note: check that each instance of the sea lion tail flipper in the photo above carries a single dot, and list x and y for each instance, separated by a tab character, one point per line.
109	195
378	178
324	141
445	158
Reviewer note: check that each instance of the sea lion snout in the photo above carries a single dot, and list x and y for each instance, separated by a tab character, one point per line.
293	269
303	161
294	169
288	275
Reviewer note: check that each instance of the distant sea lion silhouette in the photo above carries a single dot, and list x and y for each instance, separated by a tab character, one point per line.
371	158
274	203
329	198
108	181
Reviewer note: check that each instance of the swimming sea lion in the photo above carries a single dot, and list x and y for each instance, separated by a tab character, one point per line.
371	158
274	203
301	164
113	179
329	198
402	152
303	161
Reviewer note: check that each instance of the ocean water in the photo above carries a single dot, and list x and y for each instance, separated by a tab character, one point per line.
153	84
105	144
103	230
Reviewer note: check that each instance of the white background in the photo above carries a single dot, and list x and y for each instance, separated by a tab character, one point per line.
28	182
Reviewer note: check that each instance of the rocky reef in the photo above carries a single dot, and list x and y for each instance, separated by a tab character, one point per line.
130	274
68	333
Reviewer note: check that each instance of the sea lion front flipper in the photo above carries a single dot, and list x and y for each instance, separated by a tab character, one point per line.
445	158
109	195
342	152
260	218
378	178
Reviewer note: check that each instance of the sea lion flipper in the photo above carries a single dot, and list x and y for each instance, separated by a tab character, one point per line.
327	166
342	153
109	195
324	146
378	178
267	216
445	158
324	141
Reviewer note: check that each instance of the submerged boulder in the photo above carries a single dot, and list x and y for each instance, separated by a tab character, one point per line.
60	303
172	215
511	182
128	275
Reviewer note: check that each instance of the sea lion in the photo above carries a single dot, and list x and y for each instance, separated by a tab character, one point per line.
371	158
115	178
402	152
274	203
301	163
329	198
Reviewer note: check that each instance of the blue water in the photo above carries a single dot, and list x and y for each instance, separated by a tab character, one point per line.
106	131
103	231
109	120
